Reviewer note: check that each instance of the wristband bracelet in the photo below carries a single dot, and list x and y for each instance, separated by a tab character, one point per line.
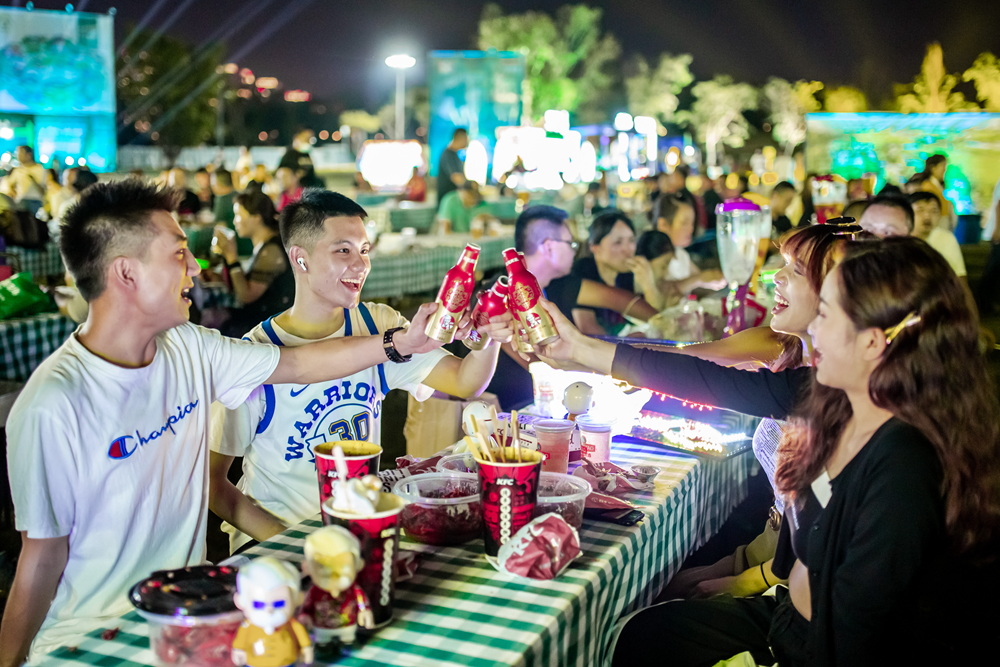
764	576
630	304
234	266
390	348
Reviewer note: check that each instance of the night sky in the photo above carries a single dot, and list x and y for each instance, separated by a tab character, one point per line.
336	50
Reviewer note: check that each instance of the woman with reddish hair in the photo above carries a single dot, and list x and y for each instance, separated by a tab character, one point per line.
890	468
810	253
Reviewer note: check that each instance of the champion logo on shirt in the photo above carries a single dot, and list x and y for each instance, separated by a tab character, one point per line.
119	448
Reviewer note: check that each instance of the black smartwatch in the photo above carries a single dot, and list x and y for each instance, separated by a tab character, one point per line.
390	350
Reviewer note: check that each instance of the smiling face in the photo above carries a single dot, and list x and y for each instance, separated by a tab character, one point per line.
617	248
839	354
165	275
795	300
339	263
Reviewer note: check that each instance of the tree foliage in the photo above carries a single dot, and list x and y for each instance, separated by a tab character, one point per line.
567	58
717	114
985	72
167	90
653	92
845	99
932	91
788	104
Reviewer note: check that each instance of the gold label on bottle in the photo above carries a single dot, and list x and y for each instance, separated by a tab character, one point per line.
539	326
442	325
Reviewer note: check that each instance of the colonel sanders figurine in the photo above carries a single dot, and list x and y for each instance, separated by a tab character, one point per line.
267	592
335	605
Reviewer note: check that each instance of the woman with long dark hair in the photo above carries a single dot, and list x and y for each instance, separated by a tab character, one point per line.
890	468
810	254
268	286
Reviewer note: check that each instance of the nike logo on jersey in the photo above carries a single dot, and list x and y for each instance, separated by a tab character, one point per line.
293	393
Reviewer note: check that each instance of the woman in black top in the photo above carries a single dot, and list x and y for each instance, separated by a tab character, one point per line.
268	286
891	460
614	263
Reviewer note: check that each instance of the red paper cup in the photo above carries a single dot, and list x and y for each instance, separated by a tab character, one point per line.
553	441
362	459
508	492
379	537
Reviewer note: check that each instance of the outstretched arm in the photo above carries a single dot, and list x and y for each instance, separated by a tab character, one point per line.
340	357
468	377
763	394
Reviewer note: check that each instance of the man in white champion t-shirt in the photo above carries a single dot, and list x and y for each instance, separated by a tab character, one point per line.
107	444
276	429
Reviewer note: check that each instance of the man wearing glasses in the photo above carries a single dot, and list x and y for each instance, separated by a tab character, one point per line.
542	235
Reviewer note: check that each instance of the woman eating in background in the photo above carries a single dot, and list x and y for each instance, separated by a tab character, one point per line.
656	247
674	215
268	286
890	469
614	263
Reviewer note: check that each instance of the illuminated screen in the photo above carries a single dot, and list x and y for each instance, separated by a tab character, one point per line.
57	76
477	90
894	146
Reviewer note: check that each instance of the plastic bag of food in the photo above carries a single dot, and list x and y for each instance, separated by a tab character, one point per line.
540	550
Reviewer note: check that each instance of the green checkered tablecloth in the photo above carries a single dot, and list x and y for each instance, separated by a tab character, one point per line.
40	263
423	269
26	342
458	610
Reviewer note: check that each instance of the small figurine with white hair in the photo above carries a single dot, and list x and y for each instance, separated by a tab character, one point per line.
267	592
335	605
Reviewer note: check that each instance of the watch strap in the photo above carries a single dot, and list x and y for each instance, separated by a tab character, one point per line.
390	349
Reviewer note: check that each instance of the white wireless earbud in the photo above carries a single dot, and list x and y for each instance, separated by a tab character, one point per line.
302	263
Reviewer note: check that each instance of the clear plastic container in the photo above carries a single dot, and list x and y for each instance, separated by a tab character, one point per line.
198	641
565	495
191	614
442	508
553	441
458	463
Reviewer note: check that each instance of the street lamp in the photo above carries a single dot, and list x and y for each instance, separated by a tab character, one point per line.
400	63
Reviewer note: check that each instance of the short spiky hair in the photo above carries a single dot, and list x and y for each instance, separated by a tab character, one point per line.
535	225
301	222
110	220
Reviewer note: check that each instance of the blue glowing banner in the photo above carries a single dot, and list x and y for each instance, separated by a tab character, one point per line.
57	86
477	90
56	63
894	146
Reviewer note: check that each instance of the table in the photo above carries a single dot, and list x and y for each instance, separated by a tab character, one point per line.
458	610
40	263
422	269
26	342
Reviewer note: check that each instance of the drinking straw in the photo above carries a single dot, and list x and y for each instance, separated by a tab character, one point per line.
341	463
516	428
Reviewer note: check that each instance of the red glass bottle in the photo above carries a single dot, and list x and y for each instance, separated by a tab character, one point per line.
491	303
524	294
454	296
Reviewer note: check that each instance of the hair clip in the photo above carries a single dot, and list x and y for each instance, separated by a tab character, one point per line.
911	319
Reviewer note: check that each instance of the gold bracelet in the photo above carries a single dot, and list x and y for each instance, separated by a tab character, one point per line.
630	304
